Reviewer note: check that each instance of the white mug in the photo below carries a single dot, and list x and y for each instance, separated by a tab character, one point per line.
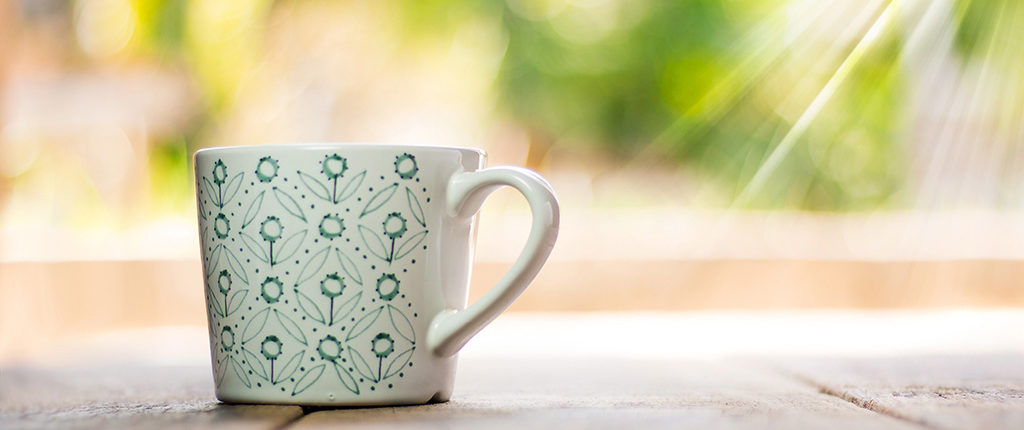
337	274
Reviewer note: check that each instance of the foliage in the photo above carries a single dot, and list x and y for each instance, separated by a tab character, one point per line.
710	85
700	82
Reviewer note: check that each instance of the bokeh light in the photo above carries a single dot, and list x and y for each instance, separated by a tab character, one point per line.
841	108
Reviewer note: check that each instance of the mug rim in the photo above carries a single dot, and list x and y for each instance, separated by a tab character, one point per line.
311	146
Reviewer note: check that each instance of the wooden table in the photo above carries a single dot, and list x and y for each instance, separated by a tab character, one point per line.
898	370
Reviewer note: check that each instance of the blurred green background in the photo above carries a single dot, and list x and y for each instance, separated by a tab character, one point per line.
707	154
640	103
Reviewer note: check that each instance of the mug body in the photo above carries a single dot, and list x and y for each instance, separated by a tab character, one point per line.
324	265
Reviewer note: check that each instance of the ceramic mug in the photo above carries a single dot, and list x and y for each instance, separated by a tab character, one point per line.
337	274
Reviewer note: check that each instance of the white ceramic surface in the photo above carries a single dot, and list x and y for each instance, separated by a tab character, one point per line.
337	274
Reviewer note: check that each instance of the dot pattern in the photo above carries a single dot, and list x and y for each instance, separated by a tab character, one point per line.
322	260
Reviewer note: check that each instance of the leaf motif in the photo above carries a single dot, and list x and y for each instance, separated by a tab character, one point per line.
290	246
291	327
395	365
254	247
373	243
346	378
349	267
236	266
350	189
290	367
255	363
233	185
220	371
346	307
235	301
379	199
255	325
402	324
410	244
415	207
240	372
309	307
364	323
253	210
310	378
361	365
313	265
212	301
289	204
212	264
201	209
315	186
209	286
212	191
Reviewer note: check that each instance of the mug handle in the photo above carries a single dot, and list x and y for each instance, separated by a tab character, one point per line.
451	329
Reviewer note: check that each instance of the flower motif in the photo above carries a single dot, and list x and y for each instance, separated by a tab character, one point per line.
271	347
271	289
220	172
227	338
405	166
332	285
387	282
329	348
271	229
394	225
266	169
221	226
331	226
224	281
383	345
334	166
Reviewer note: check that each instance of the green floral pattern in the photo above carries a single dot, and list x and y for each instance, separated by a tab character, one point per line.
331	226
383	345
406	166
221	226
271	289
387	286
304	270
266	170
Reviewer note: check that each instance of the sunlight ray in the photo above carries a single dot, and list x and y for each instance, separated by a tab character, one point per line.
767	53
803	122
927	54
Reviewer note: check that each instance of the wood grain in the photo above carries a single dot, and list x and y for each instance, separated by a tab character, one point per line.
491	393
614	393
942	392
125	397
592	371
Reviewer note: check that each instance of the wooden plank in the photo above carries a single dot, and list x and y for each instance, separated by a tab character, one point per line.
595	371
614	393
125	397
938	391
